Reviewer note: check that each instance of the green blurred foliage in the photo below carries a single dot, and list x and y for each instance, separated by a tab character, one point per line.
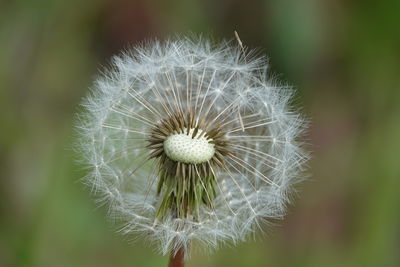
343	56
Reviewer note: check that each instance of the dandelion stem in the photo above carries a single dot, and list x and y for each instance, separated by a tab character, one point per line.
177	259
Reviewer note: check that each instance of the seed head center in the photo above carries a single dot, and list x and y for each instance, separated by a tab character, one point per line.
184	148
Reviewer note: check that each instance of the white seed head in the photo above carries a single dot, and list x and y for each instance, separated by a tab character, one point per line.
171	187
183	147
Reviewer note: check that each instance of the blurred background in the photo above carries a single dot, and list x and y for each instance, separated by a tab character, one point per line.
342	55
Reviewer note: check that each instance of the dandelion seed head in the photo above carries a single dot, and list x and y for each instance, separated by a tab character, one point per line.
187	140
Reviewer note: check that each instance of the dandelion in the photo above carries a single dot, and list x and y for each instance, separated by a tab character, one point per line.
190	142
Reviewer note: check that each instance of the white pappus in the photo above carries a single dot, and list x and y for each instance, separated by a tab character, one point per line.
191	141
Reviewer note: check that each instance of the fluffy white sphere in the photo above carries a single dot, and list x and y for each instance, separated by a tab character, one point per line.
219	86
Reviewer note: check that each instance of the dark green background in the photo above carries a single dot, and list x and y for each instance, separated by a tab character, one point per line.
342	55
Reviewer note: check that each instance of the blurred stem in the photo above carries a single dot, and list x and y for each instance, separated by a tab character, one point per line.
177	260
